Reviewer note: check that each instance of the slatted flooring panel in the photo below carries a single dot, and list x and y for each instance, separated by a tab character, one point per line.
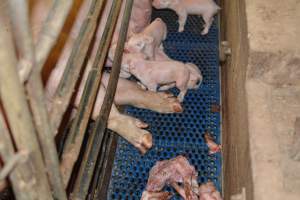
176	134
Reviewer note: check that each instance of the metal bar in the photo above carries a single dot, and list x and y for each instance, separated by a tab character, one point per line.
14	102
103	168
21	176
102	187
51	30
98	171
75	62
87	168
36	96
75	138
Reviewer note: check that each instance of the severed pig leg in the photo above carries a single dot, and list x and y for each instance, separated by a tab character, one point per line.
130	93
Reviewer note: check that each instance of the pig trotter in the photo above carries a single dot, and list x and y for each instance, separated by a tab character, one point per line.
132	130
164	103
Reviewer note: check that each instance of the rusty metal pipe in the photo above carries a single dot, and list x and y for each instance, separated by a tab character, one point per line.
51	30
94	144
67	84
76	135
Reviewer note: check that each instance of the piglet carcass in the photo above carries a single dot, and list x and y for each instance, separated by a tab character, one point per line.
206	8
172	172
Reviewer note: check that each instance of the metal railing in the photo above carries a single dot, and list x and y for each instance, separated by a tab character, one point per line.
27	128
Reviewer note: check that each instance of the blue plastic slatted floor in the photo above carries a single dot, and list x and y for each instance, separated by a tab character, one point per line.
176	134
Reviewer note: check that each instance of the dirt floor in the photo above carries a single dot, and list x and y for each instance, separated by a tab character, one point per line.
273	96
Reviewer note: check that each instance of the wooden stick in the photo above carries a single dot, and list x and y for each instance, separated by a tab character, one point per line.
94	144
37	97
14	102
51	30
76	135
67	84
21	176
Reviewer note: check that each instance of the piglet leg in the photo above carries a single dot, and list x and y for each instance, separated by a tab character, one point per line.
208	19
181	95
131	129
167	87
182	17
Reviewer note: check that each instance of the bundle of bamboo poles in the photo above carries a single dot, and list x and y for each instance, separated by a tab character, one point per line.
27	128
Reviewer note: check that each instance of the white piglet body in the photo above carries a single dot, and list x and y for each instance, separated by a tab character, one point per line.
165	74
205	8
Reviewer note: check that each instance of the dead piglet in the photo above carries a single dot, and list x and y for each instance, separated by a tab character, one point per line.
171	172
205	8
149	40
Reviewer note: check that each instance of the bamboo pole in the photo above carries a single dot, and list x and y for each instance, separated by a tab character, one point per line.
36	96
51	30
67	84
21	176
76	135
14	102
94	144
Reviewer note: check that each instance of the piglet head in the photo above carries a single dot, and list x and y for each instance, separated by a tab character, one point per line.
140	43
161	4
195	76
131	61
